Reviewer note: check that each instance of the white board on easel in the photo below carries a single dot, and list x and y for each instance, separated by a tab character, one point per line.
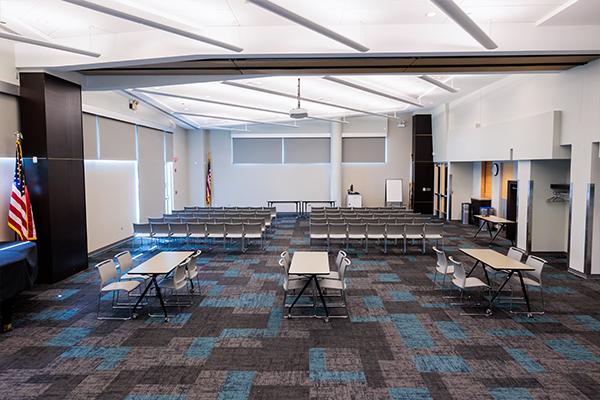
393	191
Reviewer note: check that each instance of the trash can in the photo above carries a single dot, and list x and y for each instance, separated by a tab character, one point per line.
465	215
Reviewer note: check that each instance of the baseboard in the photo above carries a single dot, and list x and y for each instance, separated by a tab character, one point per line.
108	247
583	274
543	254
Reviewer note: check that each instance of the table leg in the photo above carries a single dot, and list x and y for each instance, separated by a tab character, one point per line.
478	230
473	269
510	274
501	226
487	278
298	297
160	298
137	303
524	288
489	228
322	299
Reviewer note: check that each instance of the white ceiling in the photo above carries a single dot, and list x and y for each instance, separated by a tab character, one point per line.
390	26
313	87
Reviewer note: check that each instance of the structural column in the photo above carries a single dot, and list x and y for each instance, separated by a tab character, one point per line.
335	175
524	205
51	122
584	190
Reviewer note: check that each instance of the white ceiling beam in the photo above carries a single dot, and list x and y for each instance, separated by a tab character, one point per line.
438	83
362	88
300	20
160	108
222	103
452	10
171	28
49	45
224	118
555	12
293	96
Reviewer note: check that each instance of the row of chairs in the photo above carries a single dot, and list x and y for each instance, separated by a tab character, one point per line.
228	210
363	213
371	220
333	281
461	280
377	231
266	221
360	209
243	231
115	278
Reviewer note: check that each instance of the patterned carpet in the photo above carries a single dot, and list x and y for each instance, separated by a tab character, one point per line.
403	339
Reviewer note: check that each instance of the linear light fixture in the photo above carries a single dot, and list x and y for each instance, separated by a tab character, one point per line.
438	83
159	107
300	20
555	12
250	121
152	24
452	10
222	103
292	96
372	91
49	45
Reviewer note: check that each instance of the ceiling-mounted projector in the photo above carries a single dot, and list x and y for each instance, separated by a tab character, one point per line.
298	112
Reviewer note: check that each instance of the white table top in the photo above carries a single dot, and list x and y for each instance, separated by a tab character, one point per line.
310	263
496	260
494	219
162	263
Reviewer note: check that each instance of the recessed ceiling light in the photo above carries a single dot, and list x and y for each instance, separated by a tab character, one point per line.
431	14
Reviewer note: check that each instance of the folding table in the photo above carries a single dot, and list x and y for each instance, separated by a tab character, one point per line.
492	220
310	264
160	264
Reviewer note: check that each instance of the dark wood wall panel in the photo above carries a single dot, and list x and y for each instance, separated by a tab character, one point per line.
51	122
423	168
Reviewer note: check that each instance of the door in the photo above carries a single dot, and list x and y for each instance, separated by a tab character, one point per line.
511	210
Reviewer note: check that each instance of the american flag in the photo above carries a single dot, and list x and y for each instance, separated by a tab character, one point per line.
208	198
20	216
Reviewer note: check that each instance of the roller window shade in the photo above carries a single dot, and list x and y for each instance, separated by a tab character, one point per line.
117	140
151	172
256	150
363	149
307	150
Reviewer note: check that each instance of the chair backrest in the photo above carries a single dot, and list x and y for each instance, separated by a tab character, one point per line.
433	229
459	271
335	220
215	228
442	262
376	229
338	229
286	256
253	228
414	229
178	228
340	256
395	229
404	220
172	219
538	264
516	253
342	270
322	229
156	220
199	228
357	229
141	229
160	228
191	261
108	271
124	260
180	271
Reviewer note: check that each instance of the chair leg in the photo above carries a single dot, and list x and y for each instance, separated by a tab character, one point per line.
385	245
434	277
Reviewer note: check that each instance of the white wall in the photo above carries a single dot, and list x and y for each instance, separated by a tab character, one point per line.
111	204
8	71
549	220
181	187
462	186
369	179
197	149
526	104
9	123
